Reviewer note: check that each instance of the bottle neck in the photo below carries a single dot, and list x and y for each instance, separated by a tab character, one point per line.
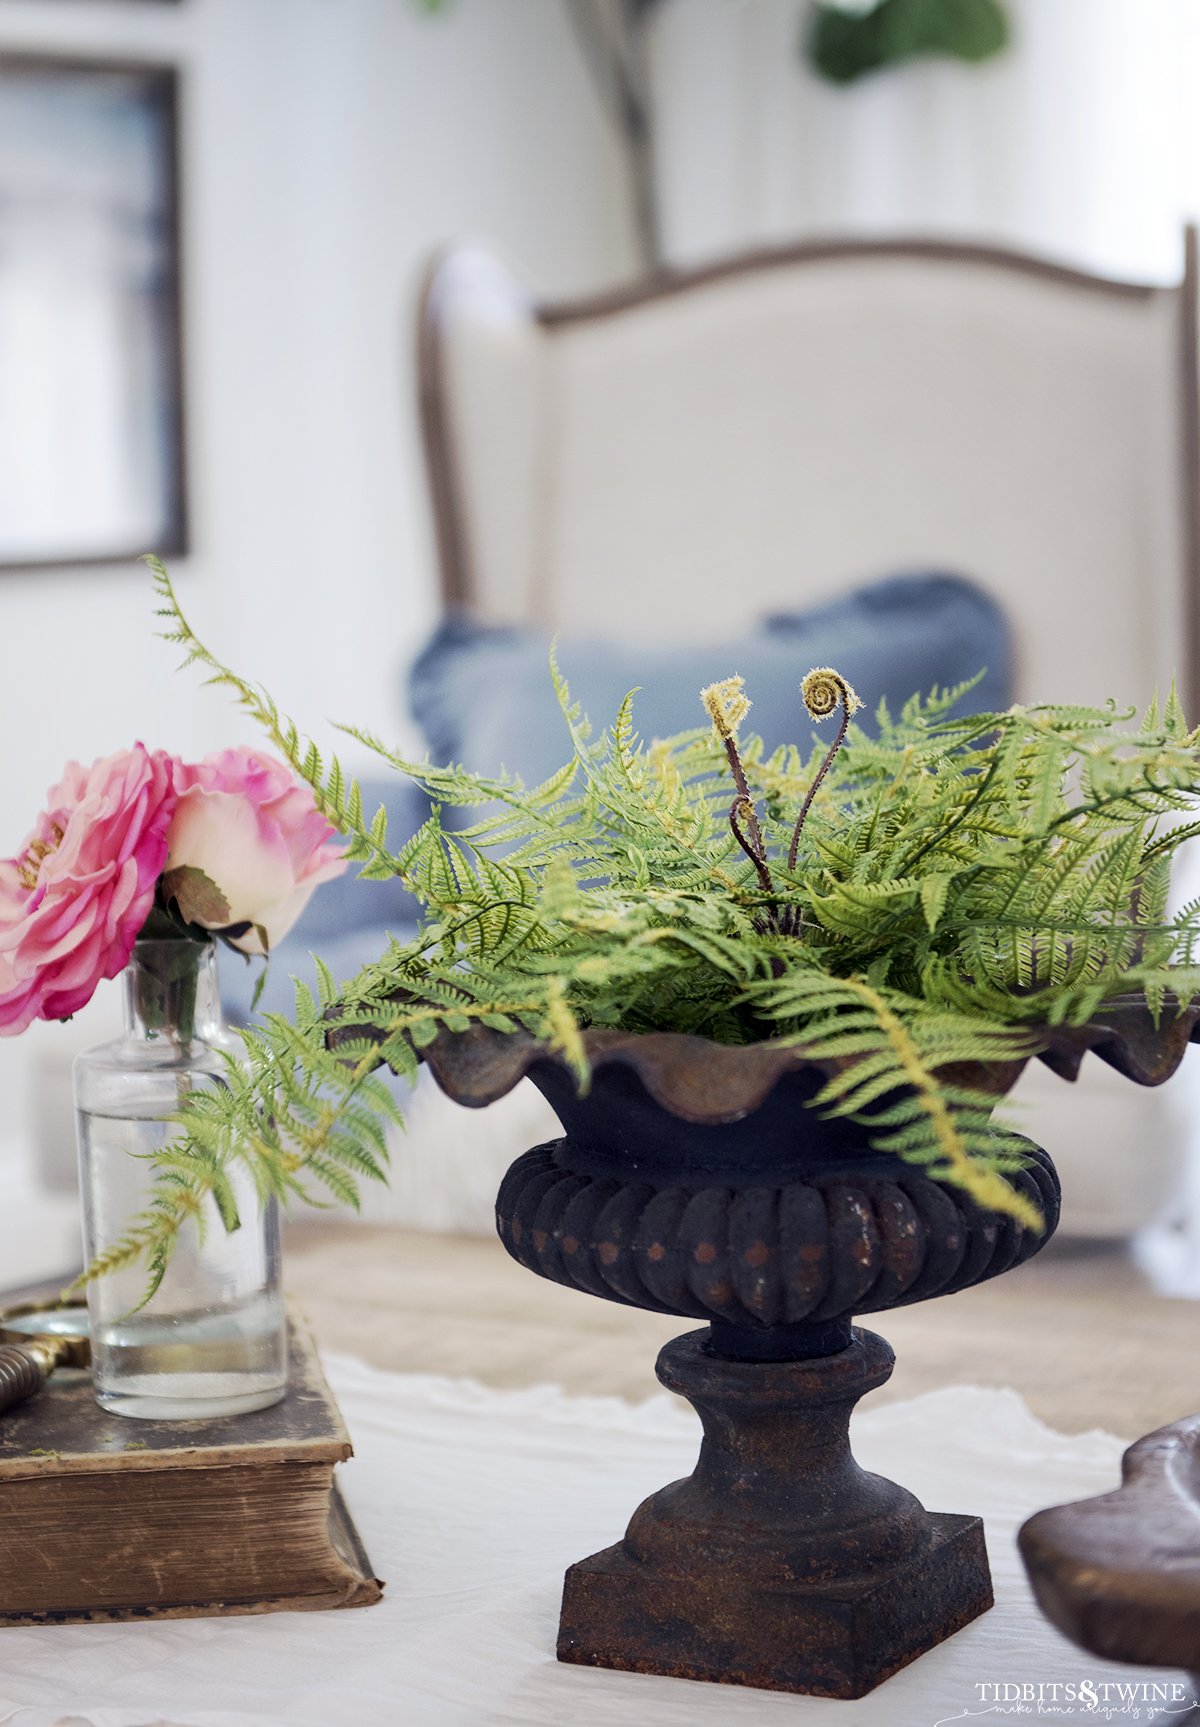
171	993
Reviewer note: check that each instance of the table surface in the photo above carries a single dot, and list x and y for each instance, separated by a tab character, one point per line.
472	1493
472	1501
1078	1332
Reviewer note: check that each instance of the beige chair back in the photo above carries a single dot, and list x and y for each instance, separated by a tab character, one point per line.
676	458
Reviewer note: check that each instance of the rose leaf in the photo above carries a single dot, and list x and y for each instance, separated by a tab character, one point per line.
197	896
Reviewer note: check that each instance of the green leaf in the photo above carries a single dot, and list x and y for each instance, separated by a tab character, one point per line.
226	1203
845	44
197	897
934	889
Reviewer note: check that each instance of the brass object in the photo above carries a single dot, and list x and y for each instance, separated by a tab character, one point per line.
35	1339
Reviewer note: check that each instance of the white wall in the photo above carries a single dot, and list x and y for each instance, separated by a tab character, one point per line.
328	146
1082	140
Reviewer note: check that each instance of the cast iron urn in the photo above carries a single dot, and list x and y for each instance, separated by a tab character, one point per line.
691	1179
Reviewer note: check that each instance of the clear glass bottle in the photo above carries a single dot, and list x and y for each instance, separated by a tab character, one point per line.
212	1339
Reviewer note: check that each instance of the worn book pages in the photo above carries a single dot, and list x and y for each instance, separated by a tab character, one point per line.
106	1518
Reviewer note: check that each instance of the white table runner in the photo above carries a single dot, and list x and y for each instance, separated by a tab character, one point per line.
471	1504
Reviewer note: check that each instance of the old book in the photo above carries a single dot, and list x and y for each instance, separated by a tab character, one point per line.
105	1518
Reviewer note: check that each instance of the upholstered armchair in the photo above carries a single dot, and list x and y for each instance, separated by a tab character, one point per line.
765	431
663	466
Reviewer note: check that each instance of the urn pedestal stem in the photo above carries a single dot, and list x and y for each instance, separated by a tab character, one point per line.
779	1562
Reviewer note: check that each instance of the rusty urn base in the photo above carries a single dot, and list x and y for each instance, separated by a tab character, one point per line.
779	1562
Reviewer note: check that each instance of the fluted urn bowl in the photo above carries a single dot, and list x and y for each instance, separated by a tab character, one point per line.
692	1178
773	1226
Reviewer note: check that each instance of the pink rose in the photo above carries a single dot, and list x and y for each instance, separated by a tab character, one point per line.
253	833
73	901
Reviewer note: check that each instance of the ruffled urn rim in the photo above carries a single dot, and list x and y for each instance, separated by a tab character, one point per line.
707	1083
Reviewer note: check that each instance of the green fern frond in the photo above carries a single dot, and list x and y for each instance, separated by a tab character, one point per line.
962	883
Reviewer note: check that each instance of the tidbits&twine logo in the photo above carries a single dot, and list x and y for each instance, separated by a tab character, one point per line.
1080	1700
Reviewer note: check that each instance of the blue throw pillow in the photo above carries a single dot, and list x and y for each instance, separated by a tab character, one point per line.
483	698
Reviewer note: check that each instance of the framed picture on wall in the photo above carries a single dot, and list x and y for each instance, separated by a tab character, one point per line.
91	399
